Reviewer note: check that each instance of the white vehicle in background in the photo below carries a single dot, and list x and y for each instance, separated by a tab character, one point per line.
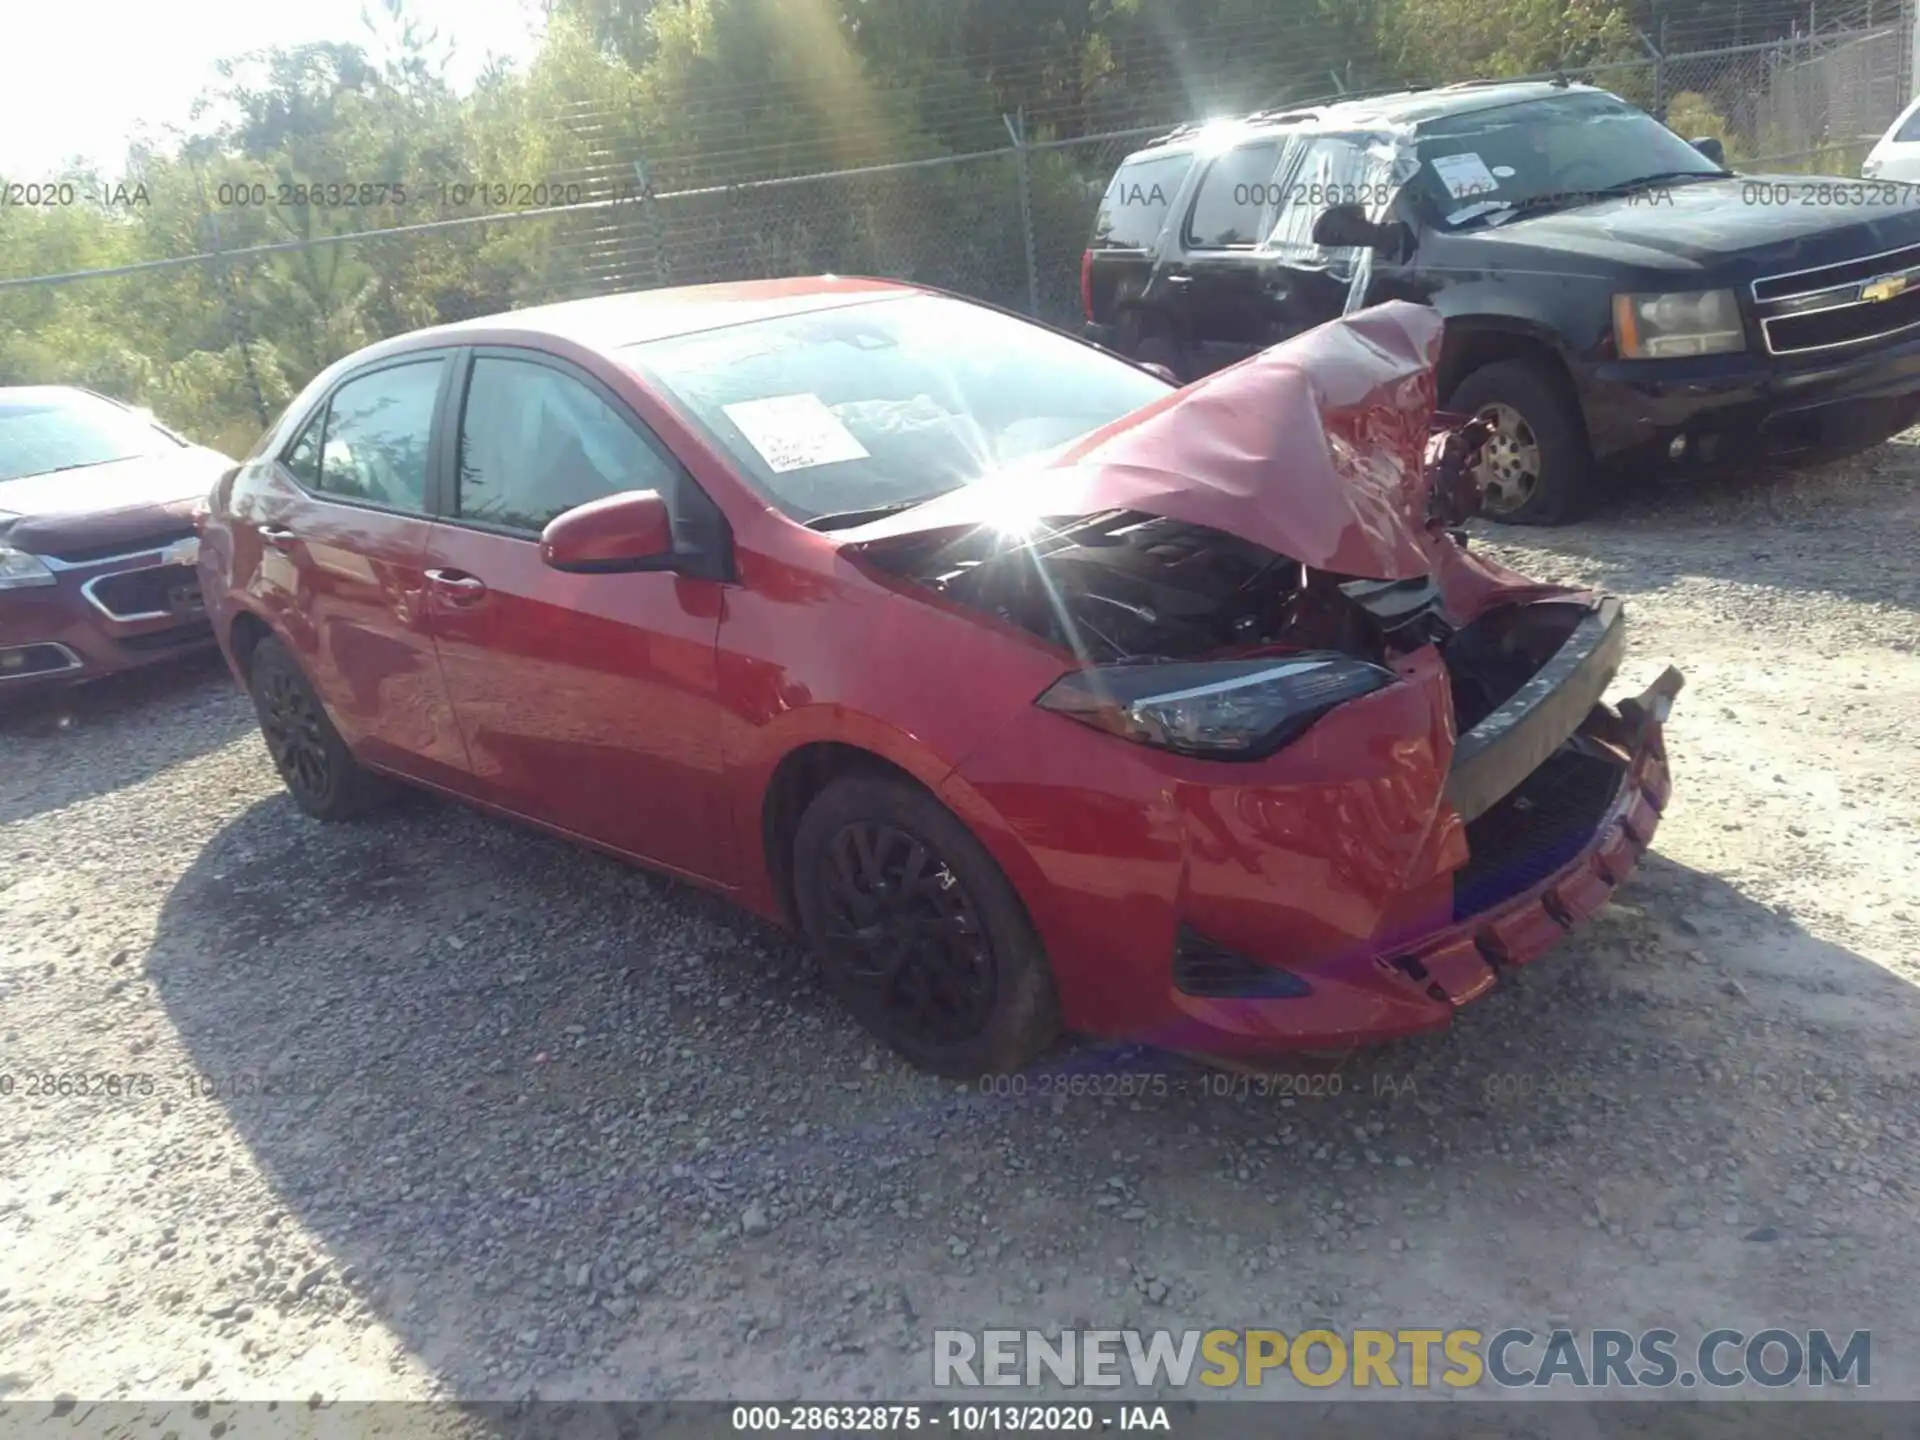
1897	156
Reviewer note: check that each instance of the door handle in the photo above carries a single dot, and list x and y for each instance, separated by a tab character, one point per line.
456	586
1179	279
277	536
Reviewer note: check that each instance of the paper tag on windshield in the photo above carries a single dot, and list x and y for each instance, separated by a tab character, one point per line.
795	432
1464	175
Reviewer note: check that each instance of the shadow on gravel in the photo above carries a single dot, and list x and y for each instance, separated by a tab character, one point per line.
542	1111
157	718
1844	528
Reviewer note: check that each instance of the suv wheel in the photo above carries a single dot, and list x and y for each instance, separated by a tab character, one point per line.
1536	469
314	762
1162	350
918	931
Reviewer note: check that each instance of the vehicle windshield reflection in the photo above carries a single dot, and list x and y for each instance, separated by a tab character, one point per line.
1545	154
867	408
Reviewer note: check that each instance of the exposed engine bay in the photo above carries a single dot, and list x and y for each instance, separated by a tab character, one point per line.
1125	587
1129	587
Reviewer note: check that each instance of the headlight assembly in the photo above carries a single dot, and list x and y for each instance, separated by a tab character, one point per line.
1230	710
1695	322
18	569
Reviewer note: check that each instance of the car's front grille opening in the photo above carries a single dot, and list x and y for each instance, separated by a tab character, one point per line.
1544	823
1491	659
1201	967
1843	324
153	590
139	545
19	661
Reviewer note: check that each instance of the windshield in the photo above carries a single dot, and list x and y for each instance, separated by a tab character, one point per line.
886	404
66	430
1543	154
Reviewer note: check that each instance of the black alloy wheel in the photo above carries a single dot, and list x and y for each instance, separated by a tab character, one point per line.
905	932
291	724
315	764
918	931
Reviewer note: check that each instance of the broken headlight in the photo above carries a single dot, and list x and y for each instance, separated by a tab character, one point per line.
1229	710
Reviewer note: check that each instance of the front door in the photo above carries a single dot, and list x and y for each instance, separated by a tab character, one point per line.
1320	172
588	702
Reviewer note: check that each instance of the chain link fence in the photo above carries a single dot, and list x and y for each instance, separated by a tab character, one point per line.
1811	103
1004	221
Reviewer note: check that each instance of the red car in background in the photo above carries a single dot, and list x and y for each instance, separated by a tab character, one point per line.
1035	692
97	542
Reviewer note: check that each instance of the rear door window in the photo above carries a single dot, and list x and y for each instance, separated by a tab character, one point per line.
378	427
303	458
1136	203
1237	189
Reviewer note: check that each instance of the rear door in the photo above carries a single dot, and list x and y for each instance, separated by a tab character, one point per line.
1230	304
588	702
338	564
1126	235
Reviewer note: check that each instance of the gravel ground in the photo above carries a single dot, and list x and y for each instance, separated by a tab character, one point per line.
541	1123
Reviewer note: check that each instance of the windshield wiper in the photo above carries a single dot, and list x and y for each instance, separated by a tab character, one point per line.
1551	199
1661	177
844	519
77	465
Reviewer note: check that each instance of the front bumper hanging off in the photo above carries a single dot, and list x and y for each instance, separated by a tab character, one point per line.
1506	911
1561	793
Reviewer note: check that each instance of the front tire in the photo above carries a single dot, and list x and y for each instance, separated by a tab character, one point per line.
1537	469
314	762
918	931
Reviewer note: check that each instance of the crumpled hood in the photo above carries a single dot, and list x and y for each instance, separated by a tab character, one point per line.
1312	449
99	504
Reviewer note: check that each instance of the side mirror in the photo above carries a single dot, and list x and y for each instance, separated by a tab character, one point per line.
1345	227
1710	146
624	532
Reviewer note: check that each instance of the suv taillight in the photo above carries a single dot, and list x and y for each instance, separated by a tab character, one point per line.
1086	284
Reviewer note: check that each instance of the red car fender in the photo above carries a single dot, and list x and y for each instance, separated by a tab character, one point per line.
780	740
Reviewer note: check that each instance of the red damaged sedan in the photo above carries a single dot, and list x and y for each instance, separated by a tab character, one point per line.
1036	693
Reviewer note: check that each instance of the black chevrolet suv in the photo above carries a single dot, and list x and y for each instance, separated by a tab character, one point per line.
1615	297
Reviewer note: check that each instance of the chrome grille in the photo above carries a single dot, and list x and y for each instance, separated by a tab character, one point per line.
1852	302
152	592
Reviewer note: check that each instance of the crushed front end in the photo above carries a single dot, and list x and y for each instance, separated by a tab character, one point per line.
1314	774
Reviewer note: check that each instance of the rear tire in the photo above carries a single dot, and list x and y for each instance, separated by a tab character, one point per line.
918	931
314	762
1161	350
1538	468
1147	338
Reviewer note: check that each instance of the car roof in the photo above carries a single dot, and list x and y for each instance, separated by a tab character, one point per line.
637	316
1391	110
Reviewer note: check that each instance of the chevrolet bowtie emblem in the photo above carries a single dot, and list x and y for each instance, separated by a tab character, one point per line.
1884	288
